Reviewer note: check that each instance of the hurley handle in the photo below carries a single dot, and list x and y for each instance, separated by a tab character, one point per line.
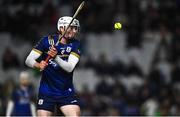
47	59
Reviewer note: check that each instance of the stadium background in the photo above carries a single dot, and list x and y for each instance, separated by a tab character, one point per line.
133	71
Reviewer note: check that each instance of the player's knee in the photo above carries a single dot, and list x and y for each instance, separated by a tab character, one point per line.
74	114
77	113
71	110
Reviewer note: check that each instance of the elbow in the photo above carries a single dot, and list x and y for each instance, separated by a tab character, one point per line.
70	69
28	62
31	59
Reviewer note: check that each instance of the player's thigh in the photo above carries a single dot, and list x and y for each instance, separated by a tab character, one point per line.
45	106
70	110
44	113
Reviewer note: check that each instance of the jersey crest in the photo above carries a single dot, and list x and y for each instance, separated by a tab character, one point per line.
50	40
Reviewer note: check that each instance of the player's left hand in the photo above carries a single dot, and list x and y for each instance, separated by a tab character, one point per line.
52	52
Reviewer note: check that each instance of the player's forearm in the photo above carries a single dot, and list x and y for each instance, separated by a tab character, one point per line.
9	108
31	59
36	65
67	65
33	109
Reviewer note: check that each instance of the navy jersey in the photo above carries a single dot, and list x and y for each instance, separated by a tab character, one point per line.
22	99
55	81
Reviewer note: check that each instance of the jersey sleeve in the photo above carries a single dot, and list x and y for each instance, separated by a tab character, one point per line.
40	46
76	50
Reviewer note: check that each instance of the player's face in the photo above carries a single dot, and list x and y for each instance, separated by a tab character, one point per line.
24	82
71	32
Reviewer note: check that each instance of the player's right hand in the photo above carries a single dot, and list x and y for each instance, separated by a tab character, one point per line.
52	52
42	65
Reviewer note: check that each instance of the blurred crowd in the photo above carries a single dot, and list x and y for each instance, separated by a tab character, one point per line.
131	90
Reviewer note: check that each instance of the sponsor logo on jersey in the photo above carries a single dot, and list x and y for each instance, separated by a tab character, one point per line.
68	49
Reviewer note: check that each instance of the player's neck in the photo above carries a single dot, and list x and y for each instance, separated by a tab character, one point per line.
23	87
63	40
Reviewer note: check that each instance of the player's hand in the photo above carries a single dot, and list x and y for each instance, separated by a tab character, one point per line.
52	52
42	65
